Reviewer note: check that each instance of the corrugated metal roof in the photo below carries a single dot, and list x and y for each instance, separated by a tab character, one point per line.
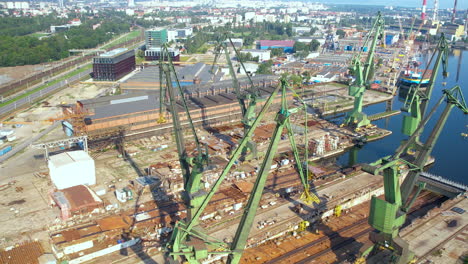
245	187
151	103
103	108
71	234
25	253
114	222
128	100
189	72
79	197
277	43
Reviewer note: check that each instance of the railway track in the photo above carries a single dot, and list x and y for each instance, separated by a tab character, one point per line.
336	234
352	233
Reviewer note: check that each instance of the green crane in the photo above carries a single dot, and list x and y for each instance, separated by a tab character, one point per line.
189	241
389	214
247	100
417	99
192	167
362	74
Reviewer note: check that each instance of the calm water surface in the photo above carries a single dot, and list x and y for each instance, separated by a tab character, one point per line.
451	150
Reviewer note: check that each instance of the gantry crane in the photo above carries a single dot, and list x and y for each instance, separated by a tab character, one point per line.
362	74
189	241
389	214
248	99
417	99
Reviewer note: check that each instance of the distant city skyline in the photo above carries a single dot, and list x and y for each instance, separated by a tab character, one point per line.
443	4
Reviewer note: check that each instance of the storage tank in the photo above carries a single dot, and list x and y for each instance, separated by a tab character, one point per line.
72	168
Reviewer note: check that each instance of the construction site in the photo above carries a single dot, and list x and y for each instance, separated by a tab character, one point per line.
182	165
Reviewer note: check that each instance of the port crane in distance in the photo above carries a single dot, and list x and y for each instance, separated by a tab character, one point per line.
189	241
248	99
362	75
389	214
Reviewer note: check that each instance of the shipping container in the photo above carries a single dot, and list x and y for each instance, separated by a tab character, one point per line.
5	150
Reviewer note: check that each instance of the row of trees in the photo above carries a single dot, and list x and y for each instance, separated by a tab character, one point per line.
196	44
20	26
247	57
303	49
23	50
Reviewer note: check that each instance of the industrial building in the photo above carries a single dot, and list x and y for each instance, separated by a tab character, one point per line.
138	112
453	32
113	65
237	42
154	53
263	55
300	30
76	200
71	169
148	78
155	37
286	45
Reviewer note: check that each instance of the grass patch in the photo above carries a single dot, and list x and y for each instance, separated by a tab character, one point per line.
139	60
203	49
39	34
339	85
184	58
239	34
129	36
66	76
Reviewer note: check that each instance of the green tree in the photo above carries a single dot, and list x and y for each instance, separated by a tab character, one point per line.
340	33
289	30
247	57
275	52
302	54
313	30
314	45
265	68
306	76
295	79
300	46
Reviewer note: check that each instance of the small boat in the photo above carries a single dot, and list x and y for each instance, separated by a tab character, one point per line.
409	77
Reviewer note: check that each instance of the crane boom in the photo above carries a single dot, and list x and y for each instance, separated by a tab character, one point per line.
189	241
388	215
454	97
417	100
247	101
192	167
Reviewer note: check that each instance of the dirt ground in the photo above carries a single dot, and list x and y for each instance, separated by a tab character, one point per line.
15	73
20	72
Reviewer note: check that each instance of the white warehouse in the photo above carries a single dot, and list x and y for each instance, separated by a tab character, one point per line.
263	55
71	169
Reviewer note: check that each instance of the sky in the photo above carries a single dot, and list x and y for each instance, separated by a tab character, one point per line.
462	4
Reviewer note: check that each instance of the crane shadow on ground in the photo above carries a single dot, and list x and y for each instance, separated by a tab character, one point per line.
164	204
322	224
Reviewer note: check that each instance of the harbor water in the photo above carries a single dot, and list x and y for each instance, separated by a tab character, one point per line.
451	150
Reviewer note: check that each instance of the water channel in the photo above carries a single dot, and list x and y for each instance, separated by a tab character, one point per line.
451	150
